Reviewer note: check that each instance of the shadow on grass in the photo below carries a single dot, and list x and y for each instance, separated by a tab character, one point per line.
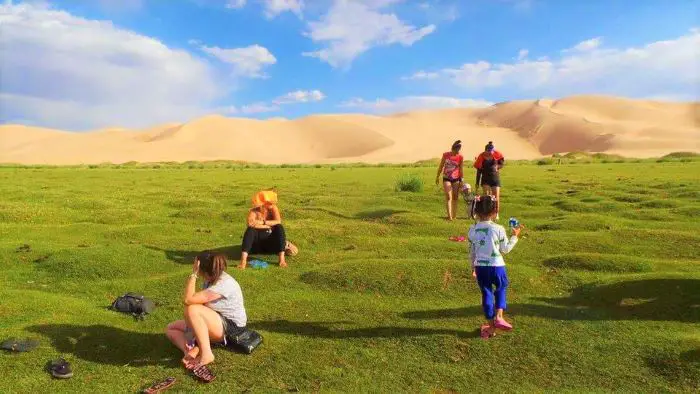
376	214
110	345
232	254
650	299
321	330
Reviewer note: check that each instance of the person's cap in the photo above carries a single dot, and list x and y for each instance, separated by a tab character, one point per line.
264	197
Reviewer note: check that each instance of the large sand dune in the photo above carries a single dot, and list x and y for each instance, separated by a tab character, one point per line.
520	129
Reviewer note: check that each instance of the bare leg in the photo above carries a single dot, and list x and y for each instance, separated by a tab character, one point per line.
206	325
487	190
497	192
455	198
176	334
283	260
244	260
447	186
499	313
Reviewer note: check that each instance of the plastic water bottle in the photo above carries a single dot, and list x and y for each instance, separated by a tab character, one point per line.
258	264
513	222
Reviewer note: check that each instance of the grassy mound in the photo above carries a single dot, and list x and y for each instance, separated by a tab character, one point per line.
599	262
378	299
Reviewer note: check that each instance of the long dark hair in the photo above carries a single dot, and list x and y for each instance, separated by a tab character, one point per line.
457	145
211	265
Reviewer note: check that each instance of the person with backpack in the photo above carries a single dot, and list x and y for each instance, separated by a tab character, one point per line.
488	172
212	315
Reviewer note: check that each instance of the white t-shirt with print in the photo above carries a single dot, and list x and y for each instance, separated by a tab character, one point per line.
488	241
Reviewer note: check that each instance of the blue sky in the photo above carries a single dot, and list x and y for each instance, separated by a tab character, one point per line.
86	64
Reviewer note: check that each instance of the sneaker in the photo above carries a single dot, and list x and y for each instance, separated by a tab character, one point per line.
60	369
502	324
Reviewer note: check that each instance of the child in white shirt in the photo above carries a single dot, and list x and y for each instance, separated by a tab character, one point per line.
487	243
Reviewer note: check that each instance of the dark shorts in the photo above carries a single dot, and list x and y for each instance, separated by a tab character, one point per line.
491	181
231	330
451	180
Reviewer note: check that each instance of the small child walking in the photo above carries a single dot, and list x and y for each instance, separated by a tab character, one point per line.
488	241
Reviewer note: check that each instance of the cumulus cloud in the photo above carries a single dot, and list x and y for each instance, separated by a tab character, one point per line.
64	71
350	28
276	7
300	96
658	68
247	62
407	103
295	97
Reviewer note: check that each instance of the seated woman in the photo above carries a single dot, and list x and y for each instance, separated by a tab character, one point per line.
211	314
265	234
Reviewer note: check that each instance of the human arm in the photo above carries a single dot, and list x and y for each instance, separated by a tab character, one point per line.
472	254
256	223
461	169
506	244
276	217
478	179
439	172
192	297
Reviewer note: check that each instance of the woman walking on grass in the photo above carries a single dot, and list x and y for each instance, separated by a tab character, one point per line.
488	241
211	315
451	170
488	167
265	233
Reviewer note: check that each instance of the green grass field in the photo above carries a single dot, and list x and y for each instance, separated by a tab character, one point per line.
604	295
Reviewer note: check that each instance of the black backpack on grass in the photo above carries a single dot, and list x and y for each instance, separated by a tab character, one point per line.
133	303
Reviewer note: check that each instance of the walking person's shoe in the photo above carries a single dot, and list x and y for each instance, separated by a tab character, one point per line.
60	369
487	331
502	324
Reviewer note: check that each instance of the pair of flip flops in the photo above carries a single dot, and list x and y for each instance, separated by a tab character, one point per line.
201	372
458	238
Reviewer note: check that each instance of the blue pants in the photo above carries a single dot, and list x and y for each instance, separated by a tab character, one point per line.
492	282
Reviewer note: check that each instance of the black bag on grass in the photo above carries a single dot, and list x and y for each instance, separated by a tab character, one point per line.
245	341
133	303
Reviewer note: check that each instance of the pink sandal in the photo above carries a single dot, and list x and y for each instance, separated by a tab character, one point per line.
458	238
486	332
502	324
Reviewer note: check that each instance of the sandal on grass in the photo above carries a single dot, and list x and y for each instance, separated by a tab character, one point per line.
458	238
161	386
19	345
60	369
486	332
203	373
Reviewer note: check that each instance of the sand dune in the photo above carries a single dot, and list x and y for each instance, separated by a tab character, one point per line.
520	129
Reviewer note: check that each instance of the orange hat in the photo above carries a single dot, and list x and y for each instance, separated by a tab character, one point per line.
264	197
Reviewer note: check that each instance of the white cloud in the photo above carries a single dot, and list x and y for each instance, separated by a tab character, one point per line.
276	7
408	103
661	67
587	45
300	96
235	4
295	97
522	54
350	28
250	109
64	71
247	62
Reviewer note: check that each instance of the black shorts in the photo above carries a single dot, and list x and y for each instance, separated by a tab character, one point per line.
451	180
231	330
491	181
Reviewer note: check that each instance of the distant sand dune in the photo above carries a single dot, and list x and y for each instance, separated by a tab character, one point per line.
520	129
